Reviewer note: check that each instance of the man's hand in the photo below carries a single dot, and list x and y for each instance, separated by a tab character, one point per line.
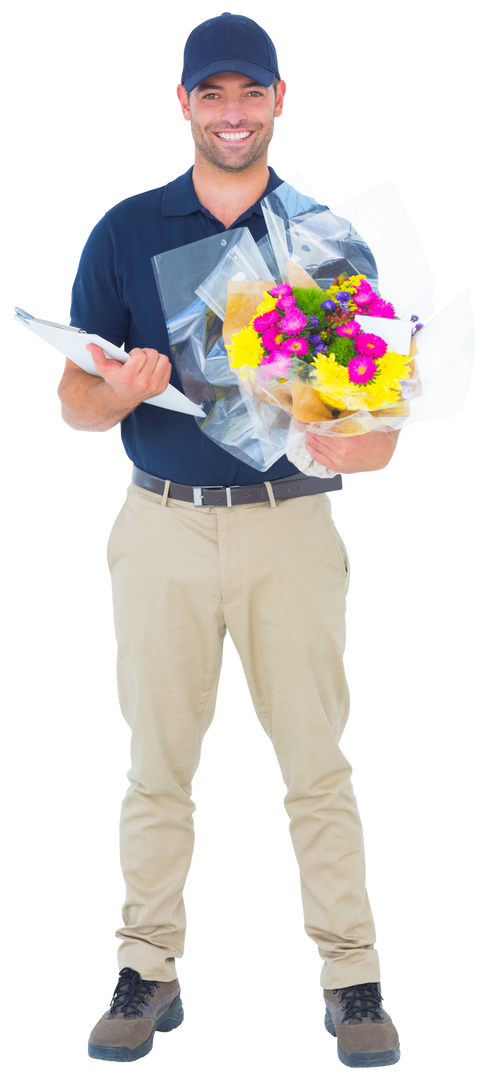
353	453
144	375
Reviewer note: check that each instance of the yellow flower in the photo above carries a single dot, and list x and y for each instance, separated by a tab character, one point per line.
268	304
336	390
386	388
350	285
332	381
246	349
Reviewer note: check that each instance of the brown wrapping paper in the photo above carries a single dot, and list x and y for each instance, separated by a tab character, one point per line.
244	298
299	278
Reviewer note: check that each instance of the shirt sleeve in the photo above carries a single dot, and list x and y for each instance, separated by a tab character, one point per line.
96	301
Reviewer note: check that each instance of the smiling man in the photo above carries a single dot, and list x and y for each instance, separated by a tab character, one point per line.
186	569
232	124
232	121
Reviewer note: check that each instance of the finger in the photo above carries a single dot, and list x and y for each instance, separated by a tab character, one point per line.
135	353
96	352
93	349
99	356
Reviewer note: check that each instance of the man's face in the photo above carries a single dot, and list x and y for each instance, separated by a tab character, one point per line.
232	118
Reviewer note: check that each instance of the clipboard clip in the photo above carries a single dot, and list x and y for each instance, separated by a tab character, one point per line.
22	315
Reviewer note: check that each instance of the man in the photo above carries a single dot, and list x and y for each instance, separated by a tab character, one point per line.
184	573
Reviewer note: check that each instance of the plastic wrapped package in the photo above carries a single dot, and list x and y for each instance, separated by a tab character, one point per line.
212	288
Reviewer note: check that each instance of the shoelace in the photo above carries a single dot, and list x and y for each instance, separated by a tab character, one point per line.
361	1001
130	992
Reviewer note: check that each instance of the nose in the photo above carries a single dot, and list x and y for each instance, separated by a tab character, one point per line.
233	113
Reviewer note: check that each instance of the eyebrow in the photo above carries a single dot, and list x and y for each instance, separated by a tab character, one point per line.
213	86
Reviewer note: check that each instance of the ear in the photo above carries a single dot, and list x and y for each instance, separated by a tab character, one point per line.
183	101
283	90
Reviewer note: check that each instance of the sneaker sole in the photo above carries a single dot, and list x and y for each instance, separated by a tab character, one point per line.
168	1021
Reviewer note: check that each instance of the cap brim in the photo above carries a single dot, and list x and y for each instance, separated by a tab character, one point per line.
262	76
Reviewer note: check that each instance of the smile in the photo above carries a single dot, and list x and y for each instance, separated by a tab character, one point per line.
233	136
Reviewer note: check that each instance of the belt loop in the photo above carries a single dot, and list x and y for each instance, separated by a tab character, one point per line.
270	494
167	484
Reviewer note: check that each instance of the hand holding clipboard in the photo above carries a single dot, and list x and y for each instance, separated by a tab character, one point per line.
72	343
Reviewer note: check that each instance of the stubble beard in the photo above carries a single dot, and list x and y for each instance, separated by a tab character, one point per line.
209	149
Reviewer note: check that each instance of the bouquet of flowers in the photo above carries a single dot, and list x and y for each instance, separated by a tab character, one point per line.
319	359
271	338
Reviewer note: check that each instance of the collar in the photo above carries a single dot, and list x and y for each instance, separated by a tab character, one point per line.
179	197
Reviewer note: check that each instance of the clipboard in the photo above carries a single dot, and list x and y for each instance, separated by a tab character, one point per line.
72	342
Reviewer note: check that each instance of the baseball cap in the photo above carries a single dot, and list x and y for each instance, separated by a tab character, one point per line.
229	43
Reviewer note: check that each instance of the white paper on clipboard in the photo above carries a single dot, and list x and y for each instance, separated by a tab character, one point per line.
72	343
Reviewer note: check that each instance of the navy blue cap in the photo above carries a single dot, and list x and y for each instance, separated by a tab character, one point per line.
229	43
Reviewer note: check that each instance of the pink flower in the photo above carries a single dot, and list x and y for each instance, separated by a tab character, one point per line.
370	345
280	290
269	336
364	295
275	355
295	346
382	309
276	365
349	329
293	322
286	302
269	318
361	369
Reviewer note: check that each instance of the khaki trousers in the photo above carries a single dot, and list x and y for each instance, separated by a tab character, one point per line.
276	578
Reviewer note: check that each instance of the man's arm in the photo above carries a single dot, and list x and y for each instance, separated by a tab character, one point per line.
87	403
98	404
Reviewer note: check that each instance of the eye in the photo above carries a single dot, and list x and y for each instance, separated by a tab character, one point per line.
252	92
256	93
211	96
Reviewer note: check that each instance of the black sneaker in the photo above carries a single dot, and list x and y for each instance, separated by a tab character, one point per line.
138	1008
366	1036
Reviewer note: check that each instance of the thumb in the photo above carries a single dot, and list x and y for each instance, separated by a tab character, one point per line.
94	349
101	362
97	353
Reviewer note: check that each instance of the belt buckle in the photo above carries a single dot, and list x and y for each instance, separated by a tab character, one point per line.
198	493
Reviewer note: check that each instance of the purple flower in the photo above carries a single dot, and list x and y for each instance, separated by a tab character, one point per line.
414	318
315	339
313	321
328	305
320	348
342	297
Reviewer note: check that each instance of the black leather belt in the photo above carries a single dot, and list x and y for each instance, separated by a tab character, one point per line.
289	487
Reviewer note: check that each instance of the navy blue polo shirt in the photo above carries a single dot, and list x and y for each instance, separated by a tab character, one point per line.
115	295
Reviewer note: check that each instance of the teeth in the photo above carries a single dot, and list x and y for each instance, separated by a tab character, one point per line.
232	136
